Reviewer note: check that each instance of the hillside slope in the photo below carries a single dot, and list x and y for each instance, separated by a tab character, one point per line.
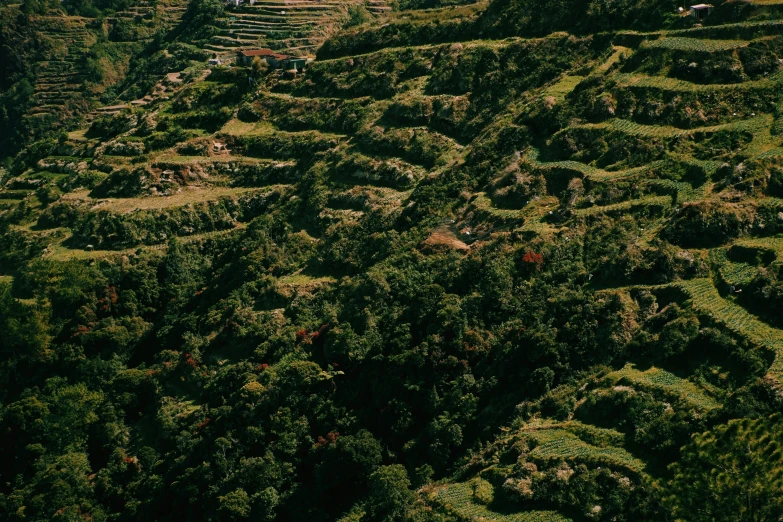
61	66
471	264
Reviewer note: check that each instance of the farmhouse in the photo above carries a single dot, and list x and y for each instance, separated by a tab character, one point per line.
700	11
275	60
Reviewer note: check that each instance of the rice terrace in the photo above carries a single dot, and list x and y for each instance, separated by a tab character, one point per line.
375	260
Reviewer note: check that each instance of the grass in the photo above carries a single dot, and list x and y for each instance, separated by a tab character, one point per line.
730	272
457	499
563	87
59	252
539	228
706	300
186	196
585	169
299	279
439	13
364	197
737	273
756	24
756	125
582	168
659	379
236	127
344	216
209	160
674	84
603	437
619	52
533	214
299	283
78	135
770	153
763	141
693	44
446	238
774	244
633	204
559	444
685	191
483	203
710	167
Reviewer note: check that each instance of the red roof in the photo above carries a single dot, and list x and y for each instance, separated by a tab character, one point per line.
264	52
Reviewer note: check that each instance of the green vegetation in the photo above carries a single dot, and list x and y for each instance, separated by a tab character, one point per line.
743	451
511	260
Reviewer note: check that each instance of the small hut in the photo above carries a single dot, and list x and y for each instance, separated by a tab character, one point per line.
700	11
293	63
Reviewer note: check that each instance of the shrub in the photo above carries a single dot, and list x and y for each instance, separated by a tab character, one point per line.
483	491
708	224
357	15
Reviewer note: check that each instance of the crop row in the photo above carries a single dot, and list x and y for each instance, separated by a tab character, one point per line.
770	153
730	272
483	203
684	191
667	382
768	243
651	202
457	499
755	124
693	44
706	300
675	84
557	444
603	437
588	170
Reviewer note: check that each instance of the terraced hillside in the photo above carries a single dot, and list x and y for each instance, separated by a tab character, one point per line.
463	267
77	60
59	80
295	26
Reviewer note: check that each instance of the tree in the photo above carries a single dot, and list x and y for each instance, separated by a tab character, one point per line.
734	472
390	497
25	327
235	505
357	15
30	7
93	70
351	458
59	490
198	22
258	67
179	271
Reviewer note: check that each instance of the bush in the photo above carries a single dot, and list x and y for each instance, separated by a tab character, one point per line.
357	15
708	224
483	491
122	183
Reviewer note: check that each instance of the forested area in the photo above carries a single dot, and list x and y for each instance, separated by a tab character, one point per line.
513	261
